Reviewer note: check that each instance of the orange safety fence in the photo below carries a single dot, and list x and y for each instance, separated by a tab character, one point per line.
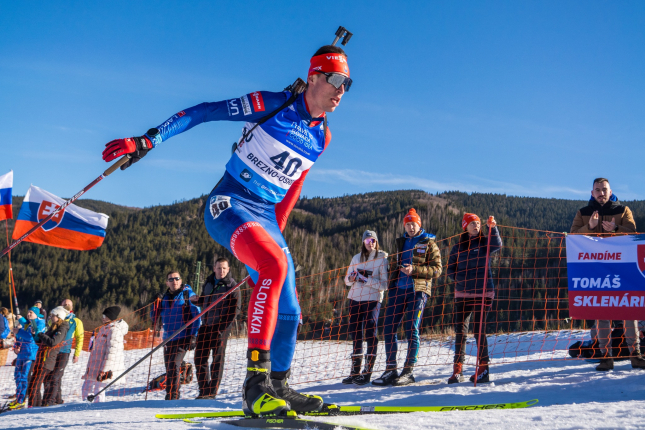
525	319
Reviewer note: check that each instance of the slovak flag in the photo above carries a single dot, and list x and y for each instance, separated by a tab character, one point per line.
6	184
74	228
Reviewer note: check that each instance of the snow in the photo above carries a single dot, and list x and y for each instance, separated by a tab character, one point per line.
525	366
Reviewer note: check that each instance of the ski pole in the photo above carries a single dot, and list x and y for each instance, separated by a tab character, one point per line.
481	316
105	174
90	398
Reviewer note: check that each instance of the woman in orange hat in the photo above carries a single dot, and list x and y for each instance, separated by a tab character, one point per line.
467	268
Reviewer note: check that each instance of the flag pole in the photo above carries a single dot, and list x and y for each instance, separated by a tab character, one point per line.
105	174
11	283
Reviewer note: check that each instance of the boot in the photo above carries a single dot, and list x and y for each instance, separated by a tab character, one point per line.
605	364
258	395
356	369
638	362
457	374
405	378
299	402
481	374
386	378
364	378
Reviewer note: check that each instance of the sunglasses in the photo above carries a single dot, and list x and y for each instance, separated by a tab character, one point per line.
369	240
174	279
336	79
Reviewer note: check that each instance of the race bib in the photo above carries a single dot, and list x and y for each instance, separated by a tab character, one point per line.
219	204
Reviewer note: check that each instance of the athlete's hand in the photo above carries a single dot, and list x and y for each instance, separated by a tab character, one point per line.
136	147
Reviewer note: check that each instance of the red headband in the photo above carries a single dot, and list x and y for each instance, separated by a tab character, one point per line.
329	63
468	218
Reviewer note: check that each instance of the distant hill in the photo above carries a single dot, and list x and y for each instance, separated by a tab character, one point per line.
323	233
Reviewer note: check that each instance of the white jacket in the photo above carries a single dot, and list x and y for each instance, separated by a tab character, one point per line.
371	289
107	351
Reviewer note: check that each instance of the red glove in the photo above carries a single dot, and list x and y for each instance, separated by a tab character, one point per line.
137	147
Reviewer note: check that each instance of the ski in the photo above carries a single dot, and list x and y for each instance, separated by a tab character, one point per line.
337	410
287	423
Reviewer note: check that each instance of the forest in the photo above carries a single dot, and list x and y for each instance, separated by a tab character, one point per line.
141	245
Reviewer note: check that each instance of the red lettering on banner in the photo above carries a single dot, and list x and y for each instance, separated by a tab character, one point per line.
600	256
180	114
258	101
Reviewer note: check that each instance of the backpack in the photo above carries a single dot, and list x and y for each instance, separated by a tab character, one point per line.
185	377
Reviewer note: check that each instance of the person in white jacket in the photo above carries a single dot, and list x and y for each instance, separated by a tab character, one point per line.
106	360
367	276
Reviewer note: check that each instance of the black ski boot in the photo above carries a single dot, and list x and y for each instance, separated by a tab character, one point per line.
356	369
364	378
299	402
405	378
386	378
258	395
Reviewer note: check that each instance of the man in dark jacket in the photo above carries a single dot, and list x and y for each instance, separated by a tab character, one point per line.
412	269
213	334
605	214
174	310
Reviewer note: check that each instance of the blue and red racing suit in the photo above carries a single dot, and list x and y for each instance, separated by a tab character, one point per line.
249	208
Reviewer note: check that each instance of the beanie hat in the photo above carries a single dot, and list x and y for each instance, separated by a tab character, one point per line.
412	217
112	312
36	310
468	218
60	312
368	234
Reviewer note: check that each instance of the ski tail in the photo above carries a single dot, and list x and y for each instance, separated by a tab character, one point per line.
337	410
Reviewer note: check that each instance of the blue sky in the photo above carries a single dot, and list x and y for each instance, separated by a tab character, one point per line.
522	98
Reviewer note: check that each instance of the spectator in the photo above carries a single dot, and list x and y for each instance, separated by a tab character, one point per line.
5	329
175	310
25	349
214	331
605	214
43	312
367	277
75	331
46	357
417	262
106	361
467	268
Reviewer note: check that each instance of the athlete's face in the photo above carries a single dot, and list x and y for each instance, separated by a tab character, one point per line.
322	96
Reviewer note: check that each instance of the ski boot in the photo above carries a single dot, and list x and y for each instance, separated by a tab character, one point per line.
405	378
299	402
386	378
258	395
356	370
481	374
14	406
457	374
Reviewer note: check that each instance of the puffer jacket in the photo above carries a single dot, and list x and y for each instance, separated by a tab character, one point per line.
25	340
223	313
174	314
610	210
426	260
107	351
467	264
49	344
375	271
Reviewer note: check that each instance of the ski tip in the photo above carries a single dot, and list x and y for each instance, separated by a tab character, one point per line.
531	402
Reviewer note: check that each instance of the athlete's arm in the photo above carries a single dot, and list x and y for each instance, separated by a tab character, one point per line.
283	209
250	107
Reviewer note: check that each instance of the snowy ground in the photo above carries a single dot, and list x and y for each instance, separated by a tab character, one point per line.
571	393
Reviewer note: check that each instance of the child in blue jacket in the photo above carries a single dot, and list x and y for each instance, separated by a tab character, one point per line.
26	349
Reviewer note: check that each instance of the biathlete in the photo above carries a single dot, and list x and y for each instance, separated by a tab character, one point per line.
249	208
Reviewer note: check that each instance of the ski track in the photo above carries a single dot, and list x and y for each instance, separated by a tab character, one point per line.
524	366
